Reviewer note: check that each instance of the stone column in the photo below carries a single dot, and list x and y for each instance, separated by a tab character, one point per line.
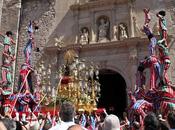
46	64
1	5
60	57
10	15
133	72
113	24
54	77
52	72
76	27
133	64
131	29
93	27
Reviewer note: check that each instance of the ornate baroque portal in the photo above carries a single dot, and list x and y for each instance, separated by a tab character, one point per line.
106	38
104	32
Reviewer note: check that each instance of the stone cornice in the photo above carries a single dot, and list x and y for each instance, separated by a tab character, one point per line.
127	43
96	4
96	46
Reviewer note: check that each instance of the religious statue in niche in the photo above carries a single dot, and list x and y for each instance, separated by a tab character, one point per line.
115	29
84	36
103	29
123	32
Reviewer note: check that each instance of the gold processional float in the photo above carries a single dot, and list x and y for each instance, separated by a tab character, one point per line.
79	82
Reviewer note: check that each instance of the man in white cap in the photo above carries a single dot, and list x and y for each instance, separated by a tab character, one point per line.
111	122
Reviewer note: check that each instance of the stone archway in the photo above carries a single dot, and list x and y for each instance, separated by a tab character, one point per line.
113	92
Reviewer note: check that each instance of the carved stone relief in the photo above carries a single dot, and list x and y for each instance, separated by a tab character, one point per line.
84	36
122	31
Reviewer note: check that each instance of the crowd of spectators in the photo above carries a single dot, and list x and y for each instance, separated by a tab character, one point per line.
68	119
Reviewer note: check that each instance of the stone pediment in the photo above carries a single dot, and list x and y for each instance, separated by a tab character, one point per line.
96	3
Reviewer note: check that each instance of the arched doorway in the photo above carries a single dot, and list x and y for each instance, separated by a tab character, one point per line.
113	92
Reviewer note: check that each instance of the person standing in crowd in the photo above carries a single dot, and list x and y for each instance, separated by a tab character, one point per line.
101	120
111	122
136	125
163	123
67	113
151	122
171	120
75	127
8	124
82	117
2	126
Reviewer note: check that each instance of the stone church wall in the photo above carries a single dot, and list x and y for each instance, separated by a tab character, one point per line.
59	23
9	15
43	13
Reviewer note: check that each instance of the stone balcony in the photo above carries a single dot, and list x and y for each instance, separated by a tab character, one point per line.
135	41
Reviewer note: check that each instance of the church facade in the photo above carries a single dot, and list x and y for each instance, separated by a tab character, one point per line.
105	32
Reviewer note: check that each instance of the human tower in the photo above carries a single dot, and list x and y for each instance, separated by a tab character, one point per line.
160	98
24	99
